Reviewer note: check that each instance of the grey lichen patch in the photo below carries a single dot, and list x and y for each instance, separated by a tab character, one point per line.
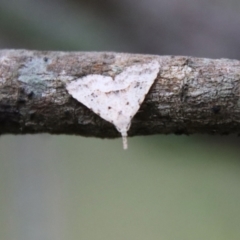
35	70
35	77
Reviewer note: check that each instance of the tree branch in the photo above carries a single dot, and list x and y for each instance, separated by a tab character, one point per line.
190	95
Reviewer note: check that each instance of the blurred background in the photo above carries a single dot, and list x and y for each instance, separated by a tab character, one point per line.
163	187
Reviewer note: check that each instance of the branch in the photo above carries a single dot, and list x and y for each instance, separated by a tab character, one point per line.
189	95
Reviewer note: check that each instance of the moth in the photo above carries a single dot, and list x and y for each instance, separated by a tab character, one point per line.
116	99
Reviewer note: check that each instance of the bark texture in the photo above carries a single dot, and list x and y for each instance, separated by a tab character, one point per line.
190	95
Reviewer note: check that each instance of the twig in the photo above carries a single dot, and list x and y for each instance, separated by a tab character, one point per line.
190	95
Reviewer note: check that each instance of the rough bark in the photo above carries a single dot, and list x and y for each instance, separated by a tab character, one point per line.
190	95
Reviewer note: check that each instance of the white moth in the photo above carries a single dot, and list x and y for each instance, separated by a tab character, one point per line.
116	100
